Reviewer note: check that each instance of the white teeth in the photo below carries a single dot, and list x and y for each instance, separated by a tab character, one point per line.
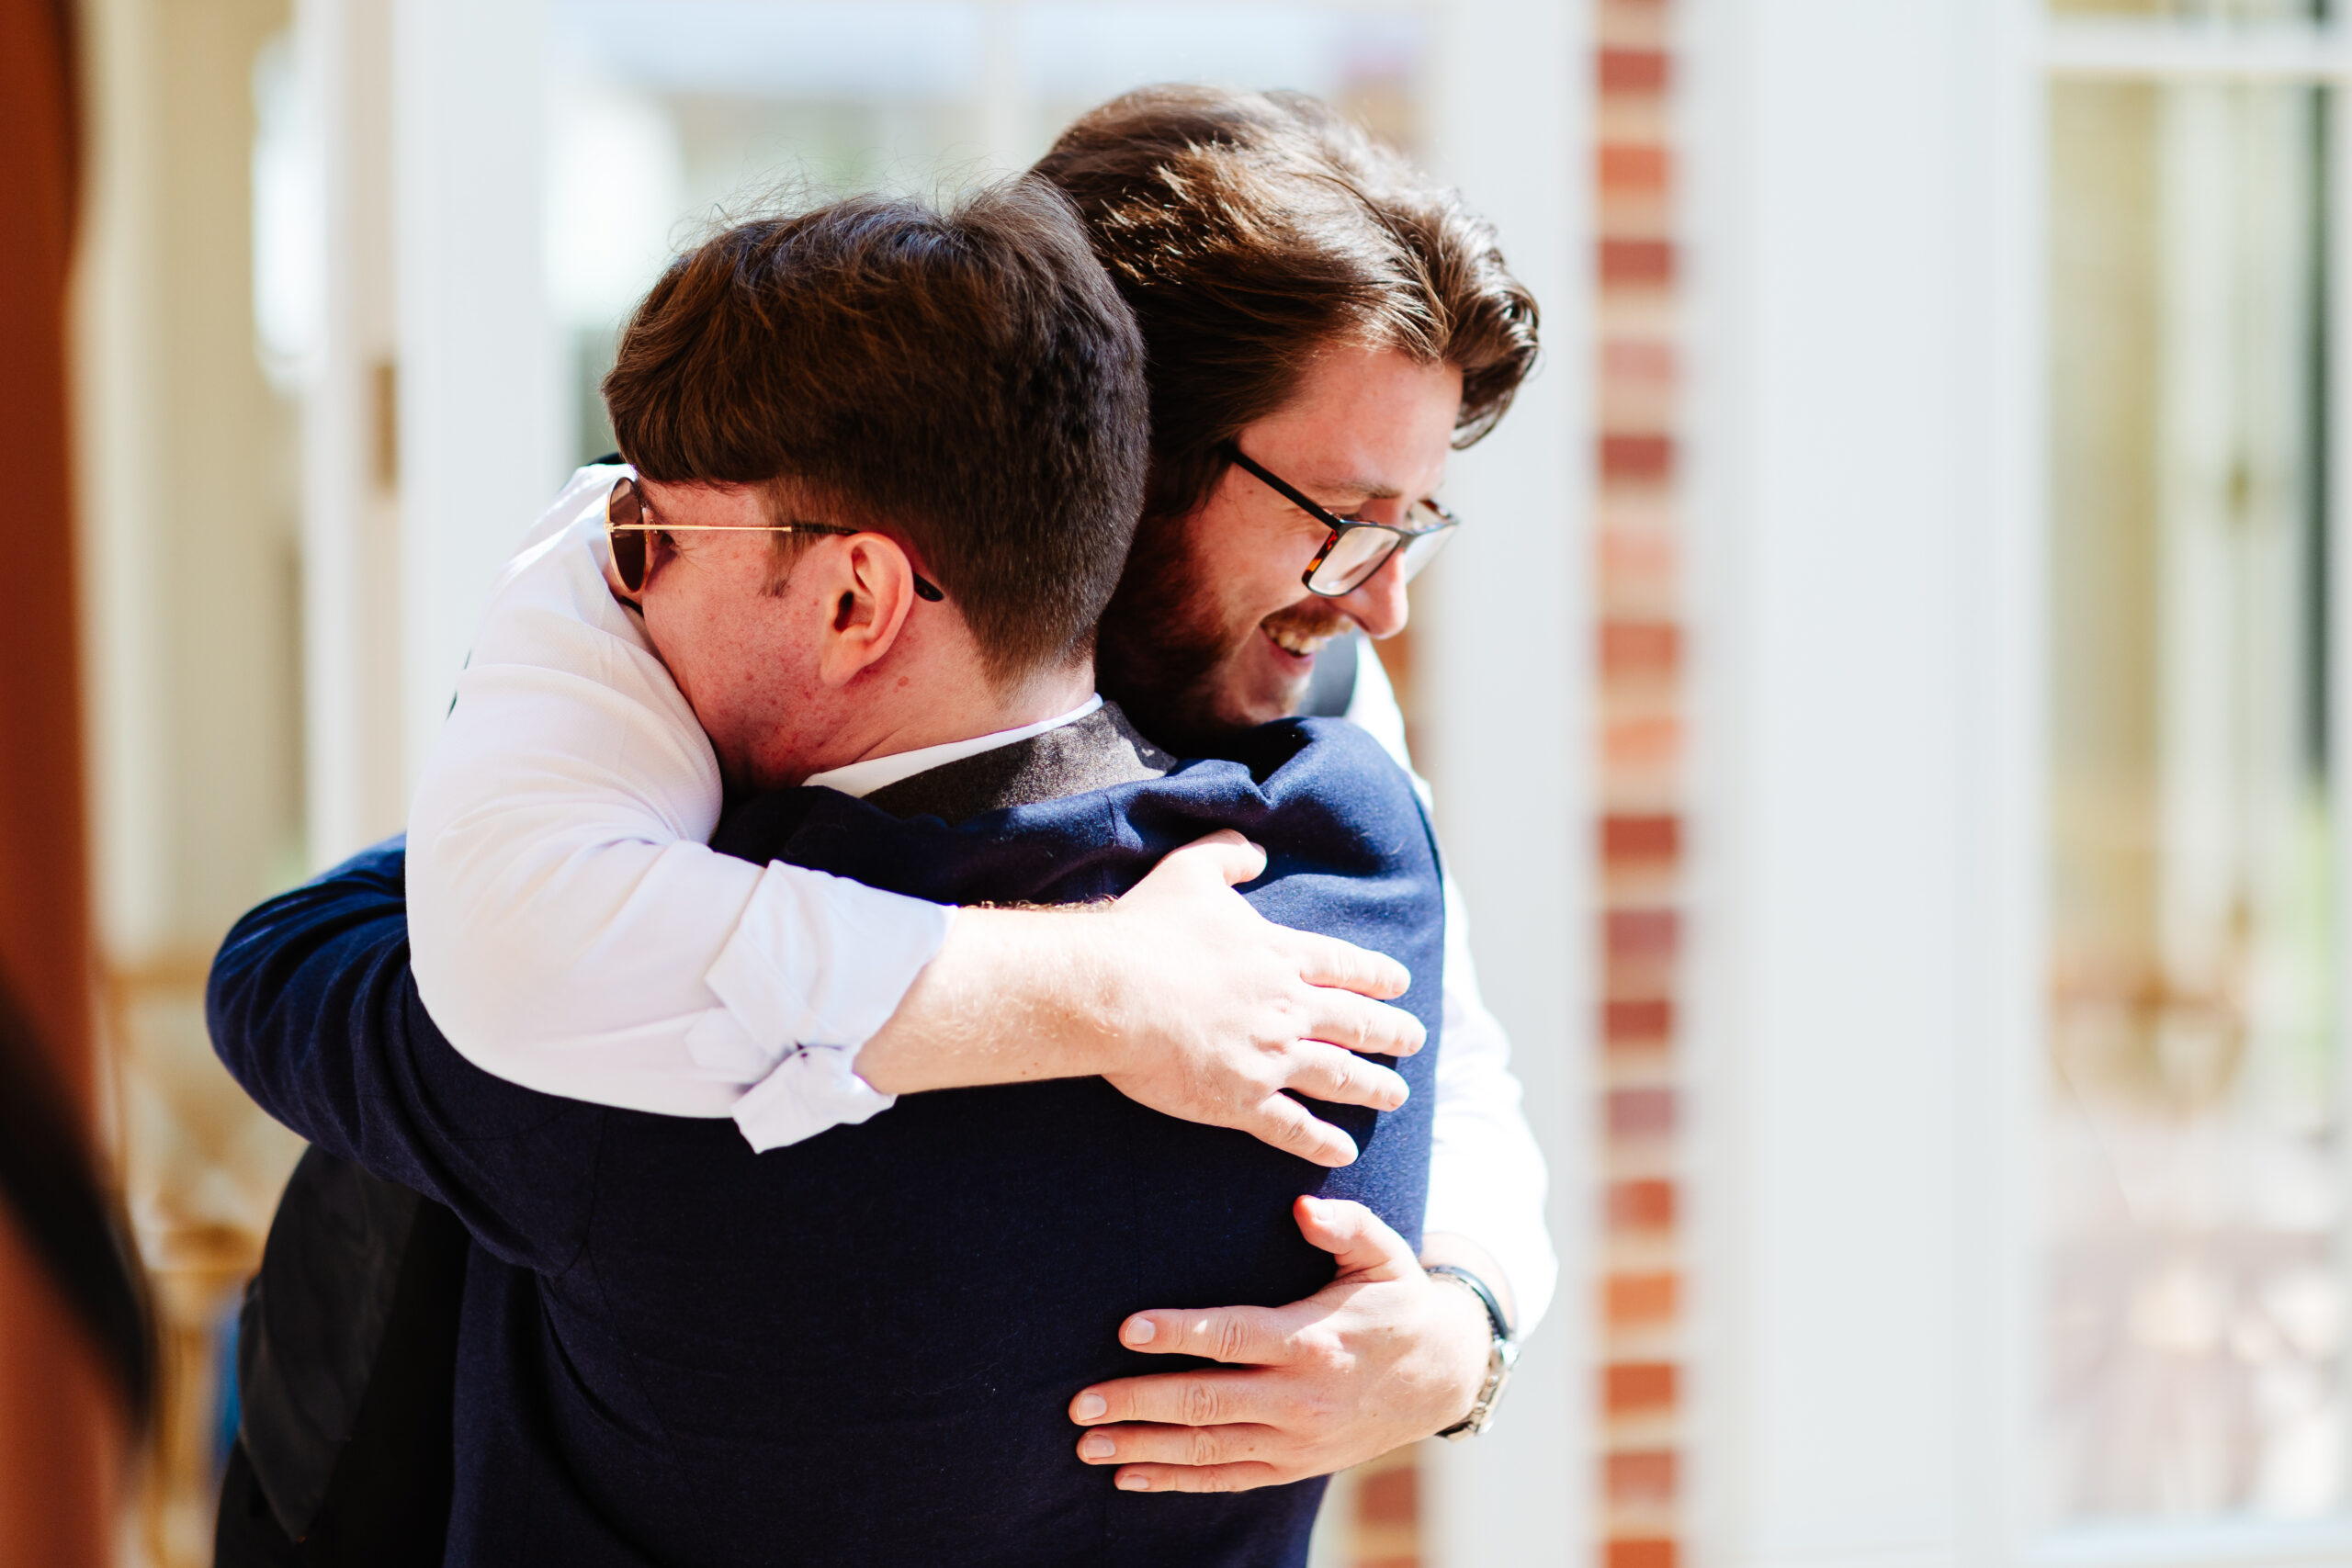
1292	643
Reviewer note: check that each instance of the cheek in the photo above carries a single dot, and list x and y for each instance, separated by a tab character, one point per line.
1249	569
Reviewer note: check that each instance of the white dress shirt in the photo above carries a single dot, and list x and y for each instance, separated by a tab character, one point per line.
572	930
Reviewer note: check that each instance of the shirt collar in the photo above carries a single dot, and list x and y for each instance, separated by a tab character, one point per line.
862	778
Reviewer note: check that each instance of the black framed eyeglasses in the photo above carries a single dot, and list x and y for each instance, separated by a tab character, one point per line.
629	530
1357	549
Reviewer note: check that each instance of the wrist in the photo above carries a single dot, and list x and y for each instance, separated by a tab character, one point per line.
1094	1008
1465	1341
1501	1349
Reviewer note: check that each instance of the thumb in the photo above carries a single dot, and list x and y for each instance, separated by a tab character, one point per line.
1358	1239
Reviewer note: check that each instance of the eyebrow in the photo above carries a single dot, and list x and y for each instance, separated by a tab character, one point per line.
1368	489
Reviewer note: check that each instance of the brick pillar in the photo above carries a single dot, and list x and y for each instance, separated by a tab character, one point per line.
58	1435
1639	774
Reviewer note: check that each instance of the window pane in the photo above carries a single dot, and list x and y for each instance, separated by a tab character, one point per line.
2194	1180
667	117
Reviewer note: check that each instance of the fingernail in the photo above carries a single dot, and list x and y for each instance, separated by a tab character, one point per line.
1135	1484
1097	1447
1092	1406
1139	1331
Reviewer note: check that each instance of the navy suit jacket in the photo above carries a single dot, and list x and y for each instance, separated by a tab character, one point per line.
858	1348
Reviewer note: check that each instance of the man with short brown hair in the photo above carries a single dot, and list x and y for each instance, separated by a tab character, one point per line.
857	1348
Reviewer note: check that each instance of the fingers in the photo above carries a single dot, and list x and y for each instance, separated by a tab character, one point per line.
1193	1447
1337	1077
1212	1478
1347	1019
1289	1126
1239	1336
1208	1398
1327	961
1357	1237
1223	854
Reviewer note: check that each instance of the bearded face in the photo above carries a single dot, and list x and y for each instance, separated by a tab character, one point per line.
1213	629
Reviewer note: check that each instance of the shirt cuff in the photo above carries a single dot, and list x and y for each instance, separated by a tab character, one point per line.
814	1089
819	959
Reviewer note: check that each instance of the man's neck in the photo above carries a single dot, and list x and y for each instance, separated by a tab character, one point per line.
910	723
881	772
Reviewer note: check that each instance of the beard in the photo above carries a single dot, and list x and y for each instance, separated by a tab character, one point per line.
1165	642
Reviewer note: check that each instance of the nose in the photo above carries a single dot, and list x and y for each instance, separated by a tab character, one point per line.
1377	603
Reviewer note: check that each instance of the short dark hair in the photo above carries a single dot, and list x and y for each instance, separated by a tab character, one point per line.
967	376
1249	231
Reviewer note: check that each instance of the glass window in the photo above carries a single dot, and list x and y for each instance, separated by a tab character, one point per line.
669	116
2194	1266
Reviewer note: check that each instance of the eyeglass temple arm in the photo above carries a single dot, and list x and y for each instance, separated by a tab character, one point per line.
1322	514
1283	487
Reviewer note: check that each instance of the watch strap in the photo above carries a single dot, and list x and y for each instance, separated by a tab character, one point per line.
1502	1353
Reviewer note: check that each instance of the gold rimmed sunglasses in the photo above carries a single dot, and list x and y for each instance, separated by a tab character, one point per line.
630	530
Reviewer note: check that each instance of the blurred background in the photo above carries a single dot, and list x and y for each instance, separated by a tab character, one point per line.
1882	709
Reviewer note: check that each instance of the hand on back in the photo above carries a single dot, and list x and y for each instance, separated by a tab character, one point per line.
1180	994
1218	1011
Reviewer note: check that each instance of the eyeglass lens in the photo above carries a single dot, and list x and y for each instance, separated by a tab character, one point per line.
624	518
1360	552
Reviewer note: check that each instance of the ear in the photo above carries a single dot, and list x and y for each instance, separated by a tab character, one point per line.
869	589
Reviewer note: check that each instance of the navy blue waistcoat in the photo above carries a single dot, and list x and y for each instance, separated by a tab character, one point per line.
859	1348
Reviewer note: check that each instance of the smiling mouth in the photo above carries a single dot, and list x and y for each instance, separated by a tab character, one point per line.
1295	643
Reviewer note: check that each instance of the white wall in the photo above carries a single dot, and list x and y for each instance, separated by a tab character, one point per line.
1864	992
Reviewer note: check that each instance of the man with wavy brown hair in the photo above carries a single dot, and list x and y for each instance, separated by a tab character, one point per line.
1322	326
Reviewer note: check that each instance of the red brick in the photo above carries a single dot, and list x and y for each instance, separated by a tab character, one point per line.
1639	1552
1632	167
1628	838
1637	1020
1632	71
1633	1301
1641	1112
1647	1204
1639	647
1644	1476
1631	1386
1627	263
1637	457
1638	934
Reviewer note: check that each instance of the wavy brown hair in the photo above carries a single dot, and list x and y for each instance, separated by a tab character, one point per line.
1250	230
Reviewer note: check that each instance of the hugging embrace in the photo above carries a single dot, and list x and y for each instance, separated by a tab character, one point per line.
886	1041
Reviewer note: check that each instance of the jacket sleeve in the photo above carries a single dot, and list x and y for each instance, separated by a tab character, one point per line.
314	1011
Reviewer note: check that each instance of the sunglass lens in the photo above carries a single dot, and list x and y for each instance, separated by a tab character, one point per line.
624	529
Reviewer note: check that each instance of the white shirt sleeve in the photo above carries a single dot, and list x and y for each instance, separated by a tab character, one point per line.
572	930
1487	1179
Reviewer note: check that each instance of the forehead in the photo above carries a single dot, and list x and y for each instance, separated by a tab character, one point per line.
1370	420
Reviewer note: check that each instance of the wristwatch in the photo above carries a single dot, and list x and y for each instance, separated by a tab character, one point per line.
1502	1354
